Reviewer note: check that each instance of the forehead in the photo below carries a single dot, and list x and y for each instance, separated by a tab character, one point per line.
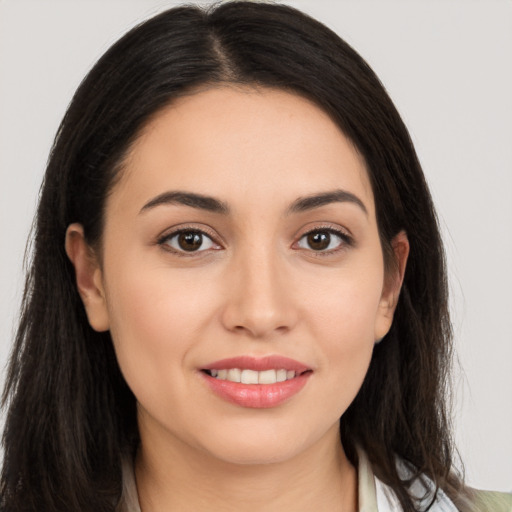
243	144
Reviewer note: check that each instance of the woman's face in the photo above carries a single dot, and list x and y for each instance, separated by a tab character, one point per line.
241	244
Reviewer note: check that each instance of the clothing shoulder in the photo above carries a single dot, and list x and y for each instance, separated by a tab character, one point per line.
480	501
496	501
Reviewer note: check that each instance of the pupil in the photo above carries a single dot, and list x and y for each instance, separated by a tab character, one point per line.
319	240
190	241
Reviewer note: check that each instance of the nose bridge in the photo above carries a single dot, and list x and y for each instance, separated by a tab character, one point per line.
259	302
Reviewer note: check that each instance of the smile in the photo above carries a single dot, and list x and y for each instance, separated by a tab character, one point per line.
252	376
256	382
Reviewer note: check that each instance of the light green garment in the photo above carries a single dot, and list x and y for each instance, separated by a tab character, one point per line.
489	501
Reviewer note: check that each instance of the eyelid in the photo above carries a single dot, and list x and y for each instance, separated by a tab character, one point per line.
347	239
170	233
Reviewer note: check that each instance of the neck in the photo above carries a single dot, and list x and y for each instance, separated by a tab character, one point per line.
171	476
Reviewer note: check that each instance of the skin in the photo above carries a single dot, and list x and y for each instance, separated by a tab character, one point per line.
258	288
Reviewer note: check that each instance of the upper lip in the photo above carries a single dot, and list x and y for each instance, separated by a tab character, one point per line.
271	362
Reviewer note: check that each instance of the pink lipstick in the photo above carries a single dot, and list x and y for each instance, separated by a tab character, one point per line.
256	382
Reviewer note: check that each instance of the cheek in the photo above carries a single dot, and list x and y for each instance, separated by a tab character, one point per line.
345	307
155	304
156	318
343	316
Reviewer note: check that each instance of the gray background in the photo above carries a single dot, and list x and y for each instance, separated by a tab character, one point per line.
447	65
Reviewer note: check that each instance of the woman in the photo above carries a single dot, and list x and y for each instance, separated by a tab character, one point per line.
235	248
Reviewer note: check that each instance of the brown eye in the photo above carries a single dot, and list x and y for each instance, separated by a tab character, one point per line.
319	240
323	240
189	241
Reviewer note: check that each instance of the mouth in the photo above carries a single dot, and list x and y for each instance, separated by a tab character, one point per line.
246	376
256	382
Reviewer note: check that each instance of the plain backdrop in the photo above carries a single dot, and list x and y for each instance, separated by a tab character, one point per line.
447	65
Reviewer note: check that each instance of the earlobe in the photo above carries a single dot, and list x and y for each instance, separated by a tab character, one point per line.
89	279
392	286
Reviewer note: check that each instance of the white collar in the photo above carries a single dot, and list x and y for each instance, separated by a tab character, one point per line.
382	498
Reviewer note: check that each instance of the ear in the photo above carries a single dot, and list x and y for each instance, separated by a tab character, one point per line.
392	285
89	278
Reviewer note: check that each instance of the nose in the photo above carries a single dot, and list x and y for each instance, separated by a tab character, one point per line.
259	297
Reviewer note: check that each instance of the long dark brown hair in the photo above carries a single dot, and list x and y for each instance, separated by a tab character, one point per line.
70	414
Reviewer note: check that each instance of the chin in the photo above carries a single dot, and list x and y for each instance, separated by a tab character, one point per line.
256	454
259	446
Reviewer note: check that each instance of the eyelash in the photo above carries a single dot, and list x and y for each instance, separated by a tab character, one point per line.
345	240
164	241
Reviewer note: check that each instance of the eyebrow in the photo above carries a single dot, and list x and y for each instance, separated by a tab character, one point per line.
214	205
306	203
199	201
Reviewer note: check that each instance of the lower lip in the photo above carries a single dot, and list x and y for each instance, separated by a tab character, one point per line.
256	396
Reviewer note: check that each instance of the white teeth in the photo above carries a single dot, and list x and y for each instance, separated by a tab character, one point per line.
234	375
267	377
249	377
252	376
280	375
